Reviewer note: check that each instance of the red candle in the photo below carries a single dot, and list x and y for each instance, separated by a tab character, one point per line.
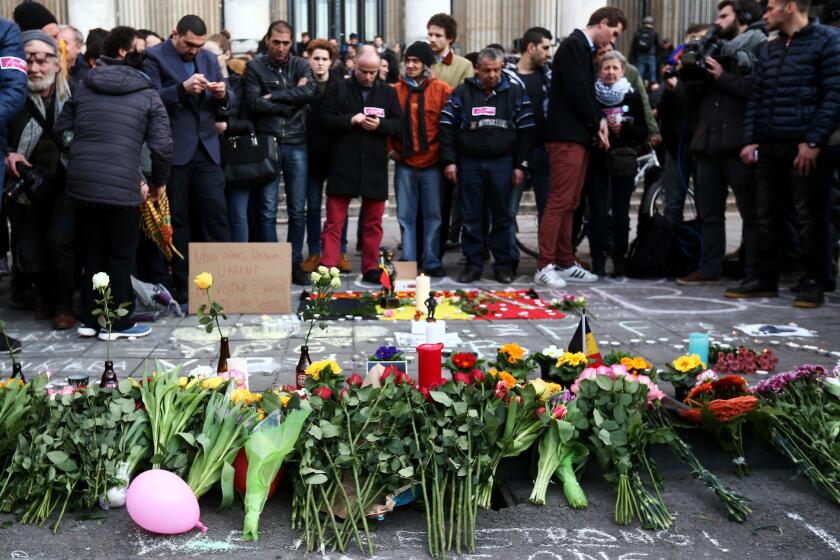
429	358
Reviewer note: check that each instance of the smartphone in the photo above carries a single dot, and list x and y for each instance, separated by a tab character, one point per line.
755	155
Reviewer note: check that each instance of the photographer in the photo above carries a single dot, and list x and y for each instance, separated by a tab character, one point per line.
43	219
716	142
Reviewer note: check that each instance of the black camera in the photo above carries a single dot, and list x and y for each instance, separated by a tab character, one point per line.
30	187
693	58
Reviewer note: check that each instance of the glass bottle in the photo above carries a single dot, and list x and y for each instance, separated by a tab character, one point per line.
224	354
17	371
109	376
303	363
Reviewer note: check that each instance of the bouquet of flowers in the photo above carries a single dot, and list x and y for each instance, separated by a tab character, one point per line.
801	416
721	407
568	303
741	360
387	354
682	372
511	358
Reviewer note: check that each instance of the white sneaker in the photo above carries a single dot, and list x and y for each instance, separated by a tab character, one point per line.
548	276
86	332
577	273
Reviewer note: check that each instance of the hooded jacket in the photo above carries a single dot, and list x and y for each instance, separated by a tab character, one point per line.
114	111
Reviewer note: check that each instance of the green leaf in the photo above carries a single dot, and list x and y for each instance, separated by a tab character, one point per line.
121	312
57	457
328	430
441	397
619	413
316	479
315	432
604	383
618	438
406	472
599	419
604	436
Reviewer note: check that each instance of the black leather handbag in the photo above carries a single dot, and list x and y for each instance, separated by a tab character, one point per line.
249	159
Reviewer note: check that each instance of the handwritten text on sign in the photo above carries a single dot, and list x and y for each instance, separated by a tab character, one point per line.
247	277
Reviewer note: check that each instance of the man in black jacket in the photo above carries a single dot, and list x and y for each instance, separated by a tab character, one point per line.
360	112
717	141
278	87
115	110
486	135
573	123
793	108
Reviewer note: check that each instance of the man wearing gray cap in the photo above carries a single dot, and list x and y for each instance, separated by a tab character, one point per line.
43	219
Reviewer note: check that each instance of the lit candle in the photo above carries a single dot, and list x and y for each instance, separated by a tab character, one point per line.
429	363
421	293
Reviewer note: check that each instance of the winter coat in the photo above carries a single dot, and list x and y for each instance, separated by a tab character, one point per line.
435	94
317	137
724	100
634	130
284	114
479	125
115	109
359	158
573	113
795	95
12	77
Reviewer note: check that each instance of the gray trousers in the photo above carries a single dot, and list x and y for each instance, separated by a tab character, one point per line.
715	175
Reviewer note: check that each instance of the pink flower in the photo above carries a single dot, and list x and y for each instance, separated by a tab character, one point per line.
539	412
464	378
478	375
559	412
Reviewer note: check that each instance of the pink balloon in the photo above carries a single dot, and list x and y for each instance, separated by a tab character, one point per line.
160	502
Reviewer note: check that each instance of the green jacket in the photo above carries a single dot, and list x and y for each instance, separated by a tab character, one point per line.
454	73
635	79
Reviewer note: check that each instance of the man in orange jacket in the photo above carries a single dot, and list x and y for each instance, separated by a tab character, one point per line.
418	179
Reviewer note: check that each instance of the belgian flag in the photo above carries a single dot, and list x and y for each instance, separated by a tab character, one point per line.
584	341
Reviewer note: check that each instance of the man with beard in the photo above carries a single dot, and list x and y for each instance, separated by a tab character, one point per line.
793	108
43	218
716	143
192	88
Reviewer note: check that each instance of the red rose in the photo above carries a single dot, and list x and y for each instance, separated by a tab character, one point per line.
324	392
462	378
425	392
354	380
390	370
344	393
477	375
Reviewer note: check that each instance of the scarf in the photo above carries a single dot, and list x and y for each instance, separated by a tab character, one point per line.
33	131
408	133
612	95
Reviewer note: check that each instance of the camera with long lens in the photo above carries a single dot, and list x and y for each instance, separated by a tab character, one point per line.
692	67
29	188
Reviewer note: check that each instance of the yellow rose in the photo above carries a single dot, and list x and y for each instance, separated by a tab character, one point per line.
212	383
204	281
314	370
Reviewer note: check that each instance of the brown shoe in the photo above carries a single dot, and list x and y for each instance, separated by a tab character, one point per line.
43	311
64	320
697	278
343	264
311	263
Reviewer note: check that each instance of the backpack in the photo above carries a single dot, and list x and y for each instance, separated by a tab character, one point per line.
645	40
650	253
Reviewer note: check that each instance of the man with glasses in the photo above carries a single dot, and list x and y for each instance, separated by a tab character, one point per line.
278	89
192	88
43	218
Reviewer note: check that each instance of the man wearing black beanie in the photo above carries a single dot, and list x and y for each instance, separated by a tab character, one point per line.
418	179
32	15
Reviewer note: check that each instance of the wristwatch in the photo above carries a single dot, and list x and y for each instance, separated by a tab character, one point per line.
813	145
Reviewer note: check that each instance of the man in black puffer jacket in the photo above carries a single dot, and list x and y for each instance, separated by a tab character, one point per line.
793	109
114	111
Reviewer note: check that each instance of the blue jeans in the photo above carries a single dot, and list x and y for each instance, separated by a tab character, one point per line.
419	188
647	67
486	183
539	178
292	167
314	199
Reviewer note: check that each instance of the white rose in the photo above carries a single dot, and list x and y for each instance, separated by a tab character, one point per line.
334	272
335	283
202	372
323	270
581	299
315	277
100	280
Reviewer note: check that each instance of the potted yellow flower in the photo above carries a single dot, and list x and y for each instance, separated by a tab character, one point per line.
682	374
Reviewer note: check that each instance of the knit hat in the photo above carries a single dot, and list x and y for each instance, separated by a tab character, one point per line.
38	35
32	15
421	51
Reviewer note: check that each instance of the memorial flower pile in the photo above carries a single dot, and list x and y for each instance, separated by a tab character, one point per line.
682	372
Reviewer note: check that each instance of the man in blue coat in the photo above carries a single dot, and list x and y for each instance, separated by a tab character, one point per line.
12	96
191	86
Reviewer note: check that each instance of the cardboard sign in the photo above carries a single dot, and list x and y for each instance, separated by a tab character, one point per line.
406	276
247	277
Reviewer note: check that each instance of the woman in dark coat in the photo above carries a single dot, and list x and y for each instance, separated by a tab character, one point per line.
612	188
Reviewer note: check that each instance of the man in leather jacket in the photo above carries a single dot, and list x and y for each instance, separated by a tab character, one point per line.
278	87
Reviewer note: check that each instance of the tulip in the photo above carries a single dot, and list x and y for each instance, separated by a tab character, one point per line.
478	375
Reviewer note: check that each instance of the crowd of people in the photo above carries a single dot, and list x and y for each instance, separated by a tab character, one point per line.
92	128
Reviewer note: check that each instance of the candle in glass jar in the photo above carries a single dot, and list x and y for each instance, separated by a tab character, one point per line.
421	293
429	366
